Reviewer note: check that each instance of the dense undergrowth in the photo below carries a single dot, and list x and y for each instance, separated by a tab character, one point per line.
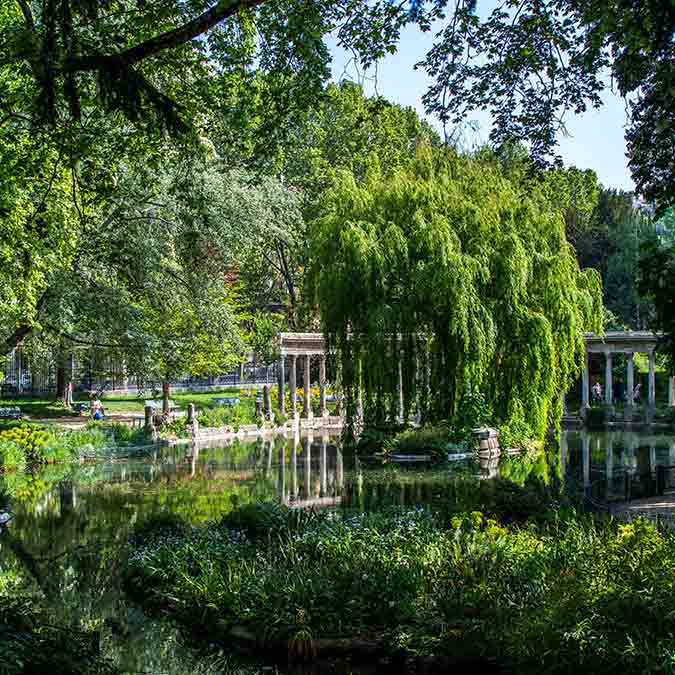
29	644
25	445
523	580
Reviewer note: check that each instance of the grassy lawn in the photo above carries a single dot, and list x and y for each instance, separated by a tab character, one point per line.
117	404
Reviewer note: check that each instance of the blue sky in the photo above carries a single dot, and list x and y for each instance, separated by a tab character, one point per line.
596	138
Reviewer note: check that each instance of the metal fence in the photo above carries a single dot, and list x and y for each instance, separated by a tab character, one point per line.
20	377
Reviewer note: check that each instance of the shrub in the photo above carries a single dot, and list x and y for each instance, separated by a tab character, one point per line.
227	417
11	456
30	440
569	595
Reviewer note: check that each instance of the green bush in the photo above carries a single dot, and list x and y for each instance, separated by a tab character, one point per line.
12	457
434	441
30	440
233	416
569	595
31	643
473	411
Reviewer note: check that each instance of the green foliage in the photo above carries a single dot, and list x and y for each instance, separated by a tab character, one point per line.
472	412
557	597
29	440
30	644
657	280
472	274
517	433
12	455
234	416
436	442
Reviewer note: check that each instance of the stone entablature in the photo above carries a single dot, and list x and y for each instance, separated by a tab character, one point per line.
619	342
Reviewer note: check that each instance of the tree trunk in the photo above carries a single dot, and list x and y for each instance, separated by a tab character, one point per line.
166	397
60	382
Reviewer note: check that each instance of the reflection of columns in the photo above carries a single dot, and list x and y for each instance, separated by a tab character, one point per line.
308	467
630	459
281	403
322	385
307	398
652	380
339	471
294	466
586	457
608	379
609	463
584	384
652	460
270	446
400	390
292	383
282	472
563	455
359	393
324	444
630	386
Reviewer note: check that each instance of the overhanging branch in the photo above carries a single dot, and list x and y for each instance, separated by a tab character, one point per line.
222	10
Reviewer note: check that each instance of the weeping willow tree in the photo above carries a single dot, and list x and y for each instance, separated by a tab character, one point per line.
444	278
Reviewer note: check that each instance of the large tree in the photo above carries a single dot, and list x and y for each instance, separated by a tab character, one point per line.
528	61
452	266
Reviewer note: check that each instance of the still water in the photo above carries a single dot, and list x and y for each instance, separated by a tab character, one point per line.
72	523
610	465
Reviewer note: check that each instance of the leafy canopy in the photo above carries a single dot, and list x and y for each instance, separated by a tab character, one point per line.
467	280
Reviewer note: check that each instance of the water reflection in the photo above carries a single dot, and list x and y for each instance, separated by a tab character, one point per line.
72	523
617	465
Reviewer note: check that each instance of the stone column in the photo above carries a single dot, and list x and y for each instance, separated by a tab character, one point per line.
292	383
281	403
322	385
671	392
630	387
307	402
267	401
584	385
149	426
609	398
564	404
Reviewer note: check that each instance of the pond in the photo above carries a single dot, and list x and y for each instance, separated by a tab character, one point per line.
71	524
613	466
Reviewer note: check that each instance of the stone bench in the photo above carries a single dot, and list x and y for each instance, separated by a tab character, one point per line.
226	401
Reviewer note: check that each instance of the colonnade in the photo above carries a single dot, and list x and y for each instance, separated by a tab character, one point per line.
290	363
628	344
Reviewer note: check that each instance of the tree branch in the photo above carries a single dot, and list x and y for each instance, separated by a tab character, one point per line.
222	10
27	14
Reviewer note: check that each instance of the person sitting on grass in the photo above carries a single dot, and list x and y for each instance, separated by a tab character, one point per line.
97	412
